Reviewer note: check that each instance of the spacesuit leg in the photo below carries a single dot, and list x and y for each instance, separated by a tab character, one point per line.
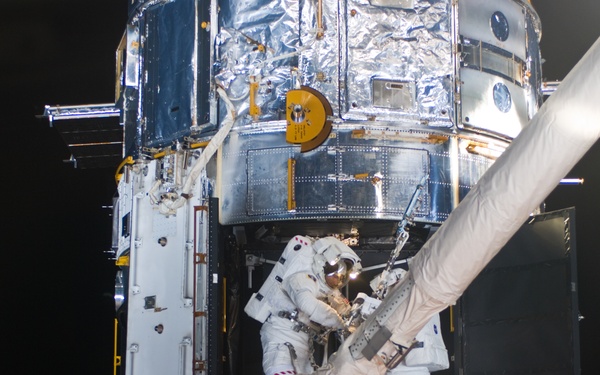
277	337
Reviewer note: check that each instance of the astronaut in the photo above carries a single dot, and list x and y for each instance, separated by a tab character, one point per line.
429	354
301	301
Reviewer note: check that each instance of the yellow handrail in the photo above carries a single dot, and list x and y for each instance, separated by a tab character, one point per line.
117	358
118	173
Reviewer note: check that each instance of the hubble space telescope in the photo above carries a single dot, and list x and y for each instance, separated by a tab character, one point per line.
239	124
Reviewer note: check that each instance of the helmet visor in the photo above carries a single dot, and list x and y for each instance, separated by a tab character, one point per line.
337	274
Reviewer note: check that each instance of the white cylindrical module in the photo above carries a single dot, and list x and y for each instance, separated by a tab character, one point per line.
415	89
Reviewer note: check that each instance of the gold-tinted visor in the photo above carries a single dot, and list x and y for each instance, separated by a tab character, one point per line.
337	274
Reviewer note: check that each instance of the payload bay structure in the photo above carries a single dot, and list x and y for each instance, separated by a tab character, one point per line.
237	125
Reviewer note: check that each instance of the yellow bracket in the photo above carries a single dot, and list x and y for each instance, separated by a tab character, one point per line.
198	145
396	135
291	201
117	358
320	32
122	261
254	109
163	153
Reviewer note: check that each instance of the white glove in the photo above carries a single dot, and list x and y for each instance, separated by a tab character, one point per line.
330	320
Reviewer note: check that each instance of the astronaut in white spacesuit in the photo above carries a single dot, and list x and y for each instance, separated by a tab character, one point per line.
429	353
301	300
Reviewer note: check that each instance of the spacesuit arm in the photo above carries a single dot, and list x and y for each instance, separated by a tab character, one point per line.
303	290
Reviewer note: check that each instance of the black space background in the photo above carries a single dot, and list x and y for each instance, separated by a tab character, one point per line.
57	282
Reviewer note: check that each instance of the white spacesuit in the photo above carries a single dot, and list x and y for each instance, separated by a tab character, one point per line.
429	354
300	300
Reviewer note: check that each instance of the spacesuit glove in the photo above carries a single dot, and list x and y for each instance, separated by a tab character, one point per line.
339	303
333	321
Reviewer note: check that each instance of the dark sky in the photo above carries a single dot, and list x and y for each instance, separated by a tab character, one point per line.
57	282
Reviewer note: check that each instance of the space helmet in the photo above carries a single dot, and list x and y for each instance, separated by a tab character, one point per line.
335	263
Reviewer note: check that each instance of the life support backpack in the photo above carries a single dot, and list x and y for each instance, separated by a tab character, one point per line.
270	299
